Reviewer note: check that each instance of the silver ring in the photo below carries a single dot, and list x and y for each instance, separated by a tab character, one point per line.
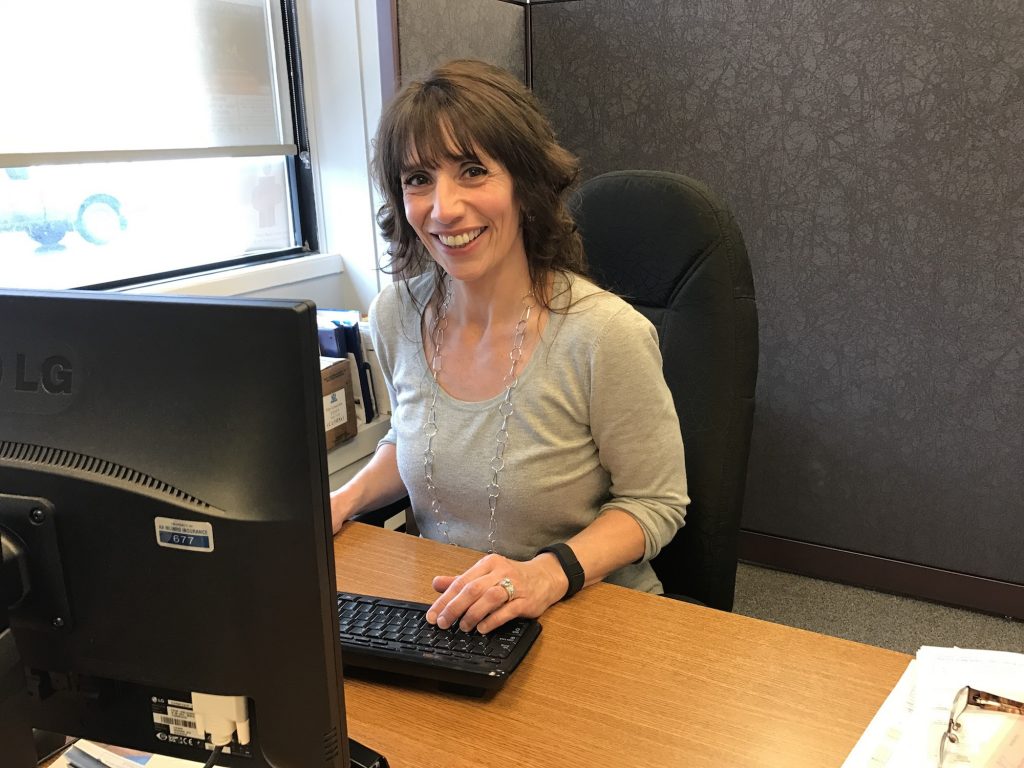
509	587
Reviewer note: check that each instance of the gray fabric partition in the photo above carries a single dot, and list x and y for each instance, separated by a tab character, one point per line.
431	31
872	152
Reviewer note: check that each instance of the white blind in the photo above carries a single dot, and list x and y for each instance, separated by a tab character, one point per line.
99	80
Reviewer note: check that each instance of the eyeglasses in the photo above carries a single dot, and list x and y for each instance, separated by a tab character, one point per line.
972	697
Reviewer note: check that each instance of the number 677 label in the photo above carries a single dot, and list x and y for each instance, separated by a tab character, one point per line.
184	534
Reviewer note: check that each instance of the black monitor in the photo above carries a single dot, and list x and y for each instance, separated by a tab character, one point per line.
166	526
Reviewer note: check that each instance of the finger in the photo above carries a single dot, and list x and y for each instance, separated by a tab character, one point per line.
475	597
453	591
441	583
491	600
447	608
511	609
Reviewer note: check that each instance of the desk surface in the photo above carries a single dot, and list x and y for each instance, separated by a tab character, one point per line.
674	685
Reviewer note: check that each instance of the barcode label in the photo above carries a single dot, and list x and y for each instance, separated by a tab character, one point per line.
183	712
175	721
179	726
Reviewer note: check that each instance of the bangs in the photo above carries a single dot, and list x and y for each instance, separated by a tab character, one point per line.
433	141
439	127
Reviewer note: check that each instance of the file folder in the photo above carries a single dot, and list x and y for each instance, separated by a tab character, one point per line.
338	334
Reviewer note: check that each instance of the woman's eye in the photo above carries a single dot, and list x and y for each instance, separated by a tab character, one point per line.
475	171
415	180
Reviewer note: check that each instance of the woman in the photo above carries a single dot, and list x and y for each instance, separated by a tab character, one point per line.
529	407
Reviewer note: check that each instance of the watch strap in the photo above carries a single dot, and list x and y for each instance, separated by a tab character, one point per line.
570	565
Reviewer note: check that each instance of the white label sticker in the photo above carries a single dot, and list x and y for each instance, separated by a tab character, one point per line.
184	534
179	722
335	409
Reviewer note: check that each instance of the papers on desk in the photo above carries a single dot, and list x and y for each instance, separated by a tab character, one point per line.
907	729
87	754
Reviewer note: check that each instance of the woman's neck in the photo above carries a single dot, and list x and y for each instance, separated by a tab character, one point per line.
491	303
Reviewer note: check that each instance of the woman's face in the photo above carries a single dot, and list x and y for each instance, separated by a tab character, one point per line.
465	213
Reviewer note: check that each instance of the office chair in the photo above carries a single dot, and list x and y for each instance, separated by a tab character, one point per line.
670	247
380	515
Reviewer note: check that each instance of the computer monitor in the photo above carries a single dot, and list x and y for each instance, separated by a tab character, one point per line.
166	526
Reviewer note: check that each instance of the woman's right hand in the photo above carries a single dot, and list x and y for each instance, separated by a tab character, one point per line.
376	484
342	507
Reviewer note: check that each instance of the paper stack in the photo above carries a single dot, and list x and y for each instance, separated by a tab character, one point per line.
907	729
87	754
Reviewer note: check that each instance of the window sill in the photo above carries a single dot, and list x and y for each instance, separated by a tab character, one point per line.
250	278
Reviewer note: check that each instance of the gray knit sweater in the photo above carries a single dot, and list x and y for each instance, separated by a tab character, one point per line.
593	428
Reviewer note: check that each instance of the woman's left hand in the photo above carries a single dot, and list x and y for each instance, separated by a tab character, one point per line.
476	599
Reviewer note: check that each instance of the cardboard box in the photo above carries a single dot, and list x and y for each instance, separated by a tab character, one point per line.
339	403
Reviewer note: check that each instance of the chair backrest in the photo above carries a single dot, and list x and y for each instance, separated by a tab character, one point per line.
671	247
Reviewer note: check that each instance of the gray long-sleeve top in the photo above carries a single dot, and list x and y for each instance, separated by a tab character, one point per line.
593	428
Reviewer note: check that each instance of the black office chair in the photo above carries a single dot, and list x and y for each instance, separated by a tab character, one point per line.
381	515
670	247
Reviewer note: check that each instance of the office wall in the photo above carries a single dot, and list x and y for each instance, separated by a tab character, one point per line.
873	154
431	31
341	67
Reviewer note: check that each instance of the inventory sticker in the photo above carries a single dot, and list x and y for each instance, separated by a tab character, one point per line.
179	720
184	534
335	410
174	722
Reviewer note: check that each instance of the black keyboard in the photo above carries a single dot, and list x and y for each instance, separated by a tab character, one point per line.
393	636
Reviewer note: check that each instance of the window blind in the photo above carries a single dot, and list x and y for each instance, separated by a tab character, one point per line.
115	80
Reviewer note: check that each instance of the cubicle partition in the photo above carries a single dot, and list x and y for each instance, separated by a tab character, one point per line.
871	153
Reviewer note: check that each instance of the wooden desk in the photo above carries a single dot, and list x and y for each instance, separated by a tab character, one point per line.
674	685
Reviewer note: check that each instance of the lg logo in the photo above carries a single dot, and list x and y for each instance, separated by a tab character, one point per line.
53	375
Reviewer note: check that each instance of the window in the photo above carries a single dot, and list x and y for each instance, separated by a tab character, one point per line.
152	138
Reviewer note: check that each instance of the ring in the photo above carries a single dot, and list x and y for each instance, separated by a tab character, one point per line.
509	587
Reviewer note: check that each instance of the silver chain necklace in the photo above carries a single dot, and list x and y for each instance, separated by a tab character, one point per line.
505	409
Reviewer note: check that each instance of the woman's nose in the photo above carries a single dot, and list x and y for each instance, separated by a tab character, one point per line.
447	201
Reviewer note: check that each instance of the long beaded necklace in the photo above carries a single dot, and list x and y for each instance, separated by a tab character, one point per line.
505	410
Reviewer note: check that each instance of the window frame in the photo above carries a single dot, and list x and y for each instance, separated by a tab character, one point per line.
349	73
303	198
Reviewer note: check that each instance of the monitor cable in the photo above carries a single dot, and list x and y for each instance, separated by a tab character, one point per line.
213	758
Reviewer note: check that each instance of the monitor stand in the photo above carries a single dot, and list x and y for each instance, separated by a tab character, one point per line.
15	733
364	757
47	744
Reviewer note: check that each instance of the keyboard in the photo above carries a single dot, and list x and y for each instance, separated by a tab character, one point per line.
393	636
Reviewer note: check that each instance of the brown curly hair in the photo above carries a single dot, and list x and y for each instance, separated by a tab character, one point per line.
460	109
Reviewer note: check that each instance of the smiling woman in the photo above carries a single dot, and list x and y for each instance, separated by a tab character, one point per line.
480	121
521	393
465	212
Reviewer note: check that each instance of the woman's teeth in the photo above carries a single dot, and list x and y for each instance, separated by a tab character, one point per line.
457	241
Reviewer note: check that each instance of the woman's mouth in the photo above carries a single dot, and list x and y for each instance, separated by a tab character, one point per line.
461	240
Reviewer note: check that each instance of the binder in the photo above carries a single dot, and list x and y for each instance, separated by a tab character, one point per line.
338	334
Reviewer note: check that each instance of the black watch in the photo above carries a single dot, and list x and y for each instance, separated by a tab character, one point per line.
571	566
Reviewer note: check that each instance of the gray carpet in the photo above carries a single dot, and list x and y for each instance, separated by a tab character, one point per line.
899	623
